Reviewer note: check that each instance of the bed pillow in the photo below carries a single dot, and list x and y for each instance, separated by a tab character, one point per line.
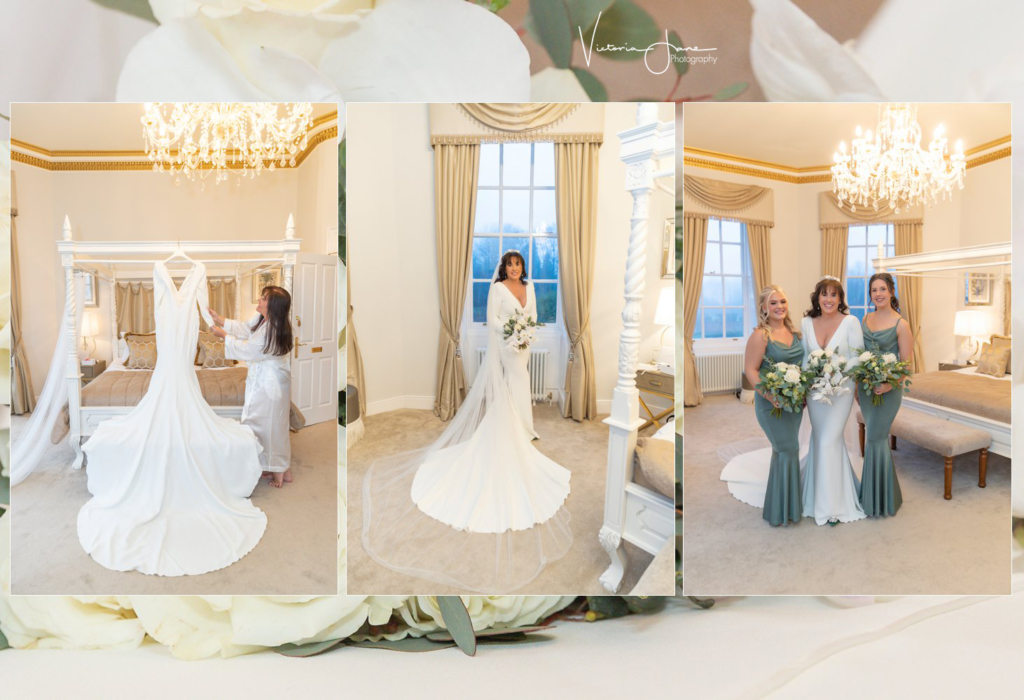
1003	341
141	350
993	360
213	351
200	348
658	464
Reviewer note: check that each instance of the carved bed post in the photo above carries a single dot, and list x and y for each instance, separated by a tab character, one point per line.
624	419
74	370
114	331
288	266
238	292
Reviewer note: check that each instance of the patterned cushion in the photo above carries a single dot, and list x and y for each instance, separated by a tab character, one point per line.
141	350
993	360
1003	341
200	351
213	351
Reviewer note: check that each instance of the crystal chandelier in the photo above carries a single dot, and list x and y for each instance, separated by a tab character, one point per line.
890	167
197	139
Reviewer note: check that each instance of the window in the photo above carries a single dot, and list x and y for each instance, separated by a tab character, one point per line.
862	247
515	208
726	308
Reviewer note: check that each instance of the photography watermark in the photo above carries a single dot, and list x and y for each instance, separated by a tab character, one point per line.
673	53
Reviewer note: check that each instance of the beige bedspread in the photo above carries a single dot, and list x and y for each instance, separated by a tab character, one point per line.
981	396
220	387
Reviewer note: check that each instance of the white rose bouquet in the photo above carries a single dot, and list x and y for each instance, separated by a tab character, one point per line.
520	331
828	369
875	370
786	385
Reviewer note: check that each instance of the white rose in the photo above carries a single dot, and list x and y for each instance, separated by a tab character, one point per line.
792	375
865	356
422	614
827	369
889	358
817	353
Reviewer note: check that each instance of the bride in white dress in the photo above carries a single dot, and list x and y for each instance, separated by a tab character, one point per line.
170	480
481	508
830	486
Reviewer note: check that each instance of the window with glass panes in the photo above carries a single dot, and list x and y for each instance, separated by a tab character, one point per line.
725	309
515	208
862	247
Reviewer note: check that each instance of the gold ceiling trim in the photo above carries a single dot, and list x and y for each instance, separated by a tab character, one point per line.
136	165
323	119
985	146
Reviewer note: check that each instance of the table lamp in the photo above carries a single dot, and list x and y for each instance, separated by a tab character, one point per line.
665	315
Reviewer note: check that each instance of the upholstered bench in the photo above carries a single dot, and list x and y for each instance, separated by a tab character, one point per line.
945	437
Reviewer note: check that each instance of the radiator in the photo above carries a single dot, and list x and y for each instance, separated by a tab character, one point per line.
720	372
538	368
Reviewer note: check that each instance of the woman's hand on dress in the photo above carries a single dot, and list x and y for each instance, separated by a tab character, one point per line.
217	318
883	388
218	331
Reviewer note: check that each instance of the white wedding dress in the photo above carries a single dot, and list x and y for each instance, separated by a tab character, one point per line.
481	508
170	480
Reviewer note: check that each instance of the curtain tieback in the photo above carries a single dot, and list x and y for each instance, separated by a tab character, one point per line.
579	337
453	337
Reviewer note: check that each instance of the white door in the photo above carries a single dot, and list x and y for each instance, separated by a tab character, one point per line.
315	328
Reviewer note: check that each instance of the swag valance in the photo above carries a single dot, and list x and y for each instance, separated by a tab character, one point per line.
831	215
496	122
747	203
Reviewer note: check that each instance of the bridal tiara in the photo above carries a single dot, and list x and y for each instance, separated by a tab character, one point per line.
829	277
512	250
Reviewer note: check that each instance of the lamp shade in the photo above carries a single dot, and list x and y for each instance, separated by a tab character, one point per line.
665	314
89	327
970	323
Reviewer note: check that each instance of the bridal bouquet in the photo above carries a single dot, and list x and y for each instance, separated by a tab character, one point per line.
787	384
520	331
828	369
876	370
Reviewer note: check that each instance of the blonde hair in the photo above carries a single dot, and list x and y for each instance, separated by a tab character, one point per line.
762	313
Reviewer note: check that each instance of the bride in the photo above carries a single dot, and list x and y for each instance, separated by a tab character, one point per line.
830	487
481	508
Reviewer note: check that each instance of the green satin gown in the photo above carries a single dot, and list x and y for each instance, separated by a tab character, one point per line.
782	499
879	487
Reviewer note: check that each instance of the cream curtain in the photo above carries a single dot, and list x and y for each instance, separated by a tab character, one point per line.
222	299
456	172
834	239
1007	315
760	243
909	240
355	358
22	398
517	116
695	240
576	193
134	307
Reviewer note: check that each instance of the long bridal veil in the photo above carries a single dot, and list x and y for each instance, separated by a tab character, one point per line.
508	520
34	438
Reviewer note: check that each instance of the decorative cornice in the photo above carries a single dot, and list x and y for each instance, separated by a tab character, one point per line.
498	137
989	157
985	146
324	118
754	161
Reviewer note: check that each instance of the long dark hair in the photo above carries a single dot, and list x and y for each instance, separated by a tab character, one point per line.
279	332
821	286
509	254
887	278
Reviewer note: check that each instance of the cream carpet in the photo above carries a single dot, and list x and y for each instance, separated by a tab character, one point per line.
582	448
931	546
296	556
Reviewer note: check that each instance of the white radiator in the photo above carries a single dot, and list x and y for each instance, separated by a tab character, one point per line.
538	371
720	372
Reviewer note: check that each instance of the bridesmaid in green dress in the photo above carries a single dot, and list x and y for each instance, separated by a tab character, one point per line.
884	331
776	340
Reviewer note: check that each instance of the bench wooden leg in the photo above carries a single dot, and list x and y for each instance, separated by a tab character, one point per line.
949	478
862	429
892	442
982	466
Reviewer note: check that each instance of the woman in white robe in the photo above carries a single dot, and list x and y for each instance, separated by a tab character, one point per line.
264	343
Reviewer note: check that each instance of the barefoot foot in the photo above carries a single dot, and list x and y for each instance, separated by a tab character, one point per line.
288	476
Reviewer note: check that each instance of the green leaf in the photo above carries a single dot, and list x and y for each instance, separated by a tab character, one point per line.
638	604
342	236
701	602
493	634
5	493
675	40
492	5
547	22
310	649
457	621
3	640
608	605
137	8
594	87
583	14
626	25
408	644
729	92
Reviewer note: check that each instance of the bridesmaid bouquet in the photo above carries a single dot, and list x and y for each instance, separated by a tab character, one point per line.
787	384
876	370
828	369
520	331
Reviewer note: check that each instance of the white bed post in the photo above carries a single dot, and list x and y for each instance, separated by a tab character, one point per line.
74	370
288	265
238	293
639	157
113	315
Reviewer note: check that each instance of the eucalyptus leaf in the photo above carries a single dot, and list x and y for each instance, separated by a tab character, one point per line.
309	649
583	14
625	24
457	621
676	40
342	237
410	644
445	636
595	88
729	92
5	493
493	5
638	604
608	605
3	640
137	8
701	602
548	23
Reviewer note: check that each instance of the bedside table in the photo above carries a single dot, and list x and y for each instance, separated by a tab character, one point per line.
658	384
951	366
90	372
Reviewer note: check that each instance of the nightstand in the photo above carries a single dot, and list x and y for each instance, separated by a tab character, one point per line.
90	372
658	384
952	366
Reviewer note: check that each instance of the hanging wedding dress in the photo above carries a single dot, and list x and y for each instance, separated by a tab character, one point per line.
170	480
481	508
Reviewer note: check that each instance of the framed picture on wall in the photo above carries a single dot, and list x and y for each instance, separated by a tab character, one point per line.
978	289
92	292
265	278
668	249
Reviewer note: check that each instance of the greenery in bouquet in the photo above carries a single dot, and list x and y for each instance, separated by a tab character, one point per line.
785	385
875	369
519	331
828	369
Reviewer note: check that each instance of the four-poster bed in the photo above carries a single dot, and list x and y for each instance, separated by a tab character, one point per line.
105	258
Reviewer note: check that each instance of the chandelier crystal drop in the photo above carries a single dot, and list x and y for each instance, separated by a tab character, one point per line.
890	168
200	139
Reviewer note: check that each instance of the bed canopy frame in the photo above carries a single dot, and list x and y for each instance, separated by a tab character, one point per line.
102	258
633	513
